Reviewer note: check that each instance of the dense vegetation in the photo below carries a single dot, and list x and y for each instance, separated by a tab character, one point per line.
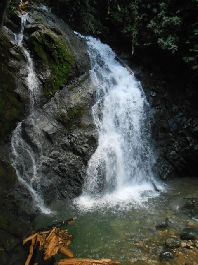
169	25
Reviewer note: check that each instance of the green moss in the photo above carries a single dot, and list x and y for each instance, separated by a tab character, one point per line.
53	53
12	7
72	117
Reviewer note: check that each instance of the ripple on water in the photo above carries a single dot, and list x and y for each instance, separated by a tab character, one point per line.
128	234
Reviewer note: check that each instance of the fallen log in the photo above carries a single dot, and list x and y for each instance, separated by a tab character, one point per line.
57	241
87	262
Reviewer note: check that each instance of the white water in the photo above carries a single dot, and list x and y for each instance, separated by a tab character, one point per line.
24	159
120	170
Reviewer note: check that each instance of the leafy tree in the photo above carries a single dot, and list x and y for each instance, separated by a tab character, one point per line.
170	26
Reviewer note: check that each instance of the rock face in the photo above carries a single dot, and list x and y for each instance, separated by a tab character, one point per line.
13	102
60	131
59	55
63	139
172	96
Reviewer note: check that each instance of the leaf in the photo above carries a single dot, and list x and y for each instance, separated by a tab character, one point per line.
118	7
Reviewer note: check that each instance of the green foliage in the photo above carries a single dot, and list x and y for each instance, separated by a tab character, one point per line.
168	25
72	118
80	13
165	27
127	18
12	7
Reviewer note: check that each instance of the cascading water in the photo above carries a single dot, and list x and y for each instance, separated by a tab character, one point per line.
121	167
24	159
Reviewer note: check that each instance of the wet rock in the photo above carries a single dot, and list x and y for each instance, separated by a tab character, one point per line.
166	255
60	56
153	94
66	146
173	242
164	169
174	125
190	207
16	216
163	225
189	234
12	92
195	130
190	204
183	244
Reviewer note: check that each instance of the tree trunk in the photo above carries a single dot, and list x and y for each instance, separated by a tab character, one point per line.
3	6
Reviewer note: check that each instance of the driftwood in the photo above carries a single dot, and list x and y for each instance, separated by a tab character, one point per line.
87	262
57	241
50	243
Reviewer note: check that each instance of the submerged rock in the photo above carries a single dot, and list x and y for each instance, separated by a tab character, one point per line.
163	225
166	255
173	242
189	234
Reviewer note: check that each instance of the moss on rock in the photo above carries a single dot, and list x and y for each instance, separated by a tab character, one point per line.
72	117
52	54
75	115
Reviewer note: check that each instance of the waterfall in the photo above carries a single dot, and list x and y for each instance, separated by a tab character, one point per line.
24	159
121	167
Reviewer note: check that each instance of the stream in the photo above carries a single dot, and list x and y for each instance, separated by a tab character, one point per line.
129	234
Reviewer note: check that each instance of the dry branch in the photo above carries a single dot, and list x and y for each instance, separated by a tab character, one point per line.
50	243
87	262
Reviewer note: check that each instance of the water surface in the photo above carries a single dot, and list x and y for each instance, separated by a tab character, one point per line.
129	233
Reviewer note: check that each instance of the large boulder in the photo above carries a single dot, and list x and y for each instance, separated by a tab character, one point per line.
63	139
59	55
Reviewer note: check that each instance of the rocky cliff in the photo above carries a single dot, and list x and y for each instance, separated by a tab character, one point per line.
60	132
172	92
158	41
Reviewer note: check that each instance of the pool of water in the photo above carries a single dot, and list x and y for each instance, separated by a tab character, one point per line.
128	234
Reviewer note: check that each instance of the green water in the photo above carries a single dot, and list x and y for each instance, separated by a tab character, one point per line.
130	234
